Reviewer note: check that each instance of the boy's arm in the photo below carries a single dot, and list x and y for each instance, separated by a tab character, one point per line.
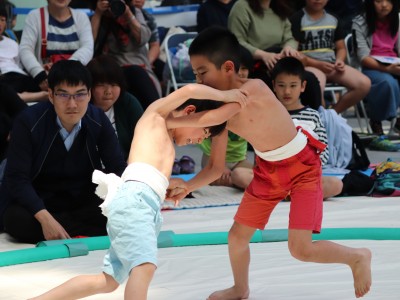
205	118
211	172
169	103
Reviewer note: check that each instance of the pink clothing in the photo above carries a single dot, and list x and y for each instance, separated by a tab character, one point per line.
298	177
383	44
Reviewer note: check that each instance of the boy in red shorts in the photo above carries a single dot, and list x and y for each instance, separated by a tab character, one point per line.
287	163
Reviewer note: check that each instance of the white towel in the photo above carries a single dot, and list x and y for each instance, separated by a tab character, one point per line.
107	186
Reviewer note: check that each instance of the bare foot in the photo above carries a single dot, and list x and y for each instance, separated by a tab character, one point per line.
229	294
362	273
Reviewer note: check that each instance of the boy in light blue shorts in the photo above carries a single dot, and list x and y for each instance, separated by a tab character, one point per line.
132	202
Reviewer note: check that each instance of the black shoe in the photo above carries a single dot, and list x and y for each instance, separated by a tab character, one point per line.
376	127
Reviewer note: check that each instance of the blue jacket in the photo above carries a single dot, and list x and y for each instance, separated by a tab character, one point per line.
33	133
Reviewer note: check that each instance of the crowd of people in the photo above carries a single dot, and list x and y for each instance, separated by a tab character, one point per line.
95	81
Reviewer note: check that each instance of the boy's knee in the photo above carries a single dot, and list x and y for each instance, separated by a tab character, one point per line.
300	252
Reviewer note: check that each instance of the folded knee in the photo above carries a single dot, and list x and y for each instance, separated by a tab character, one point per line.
300	252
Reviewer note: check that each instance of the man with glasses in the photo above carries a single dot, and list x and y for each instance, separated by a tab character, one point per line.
54	148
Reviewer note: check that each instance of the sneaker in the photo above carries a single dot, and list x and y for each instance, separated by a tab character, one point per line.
187	164
376	127
381	143
176	168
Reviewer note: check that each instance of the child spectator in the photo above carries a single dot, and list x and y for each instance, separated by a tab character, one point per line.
109	93
321	40
288	82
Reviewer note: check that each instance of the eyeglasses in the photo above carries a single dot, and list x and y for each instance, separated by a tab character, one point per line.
64	97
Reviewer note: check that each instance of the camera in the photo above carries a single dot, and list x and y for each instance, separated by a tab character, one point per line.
117	7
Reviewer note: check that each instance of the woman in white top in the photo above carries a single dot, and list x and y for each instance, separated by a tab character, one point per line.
67	32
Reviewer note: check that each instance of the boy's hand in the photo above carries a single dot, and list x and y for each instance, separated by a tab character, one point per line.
326	67
236	95
177	190
339	65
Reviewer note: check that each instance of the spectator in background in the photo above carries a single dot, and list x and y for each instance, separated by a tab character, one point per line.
11	73
346	10
109	93
55	146
154	41
377	34
11	21
125	38
321	41
67	32
214	12
264	29
10	106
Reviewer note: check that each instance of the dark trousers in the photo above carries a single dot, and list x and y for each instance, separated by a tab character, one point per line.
140	85
85	221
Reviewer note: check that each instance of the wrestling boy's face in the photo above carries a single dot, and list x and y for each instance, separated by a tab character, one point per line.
207	73
187	136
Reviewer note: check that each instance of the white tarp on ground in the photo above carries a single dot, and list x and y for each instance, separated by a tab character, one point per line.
190	273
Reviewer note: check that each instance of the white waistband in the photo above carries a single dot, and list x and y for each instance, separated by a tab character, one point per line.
149	175
286	151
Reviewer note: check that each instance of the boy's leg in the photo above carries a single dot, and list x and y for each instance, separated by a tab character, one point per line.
303	248
139	281
331	186
239	254
357	84
80	287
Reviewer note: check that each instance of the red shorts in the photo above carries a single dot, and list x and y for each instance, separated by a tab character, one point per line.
298	176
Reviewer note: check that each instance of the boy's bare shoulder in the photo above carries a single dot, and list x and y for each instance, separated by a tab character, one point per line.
254	84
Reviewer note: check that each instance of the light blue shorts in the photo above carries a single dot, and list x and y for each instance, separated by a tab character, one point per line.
134	222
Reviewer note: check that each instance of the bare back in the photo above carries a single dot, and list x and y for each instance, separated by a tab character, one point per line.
152	143
264	122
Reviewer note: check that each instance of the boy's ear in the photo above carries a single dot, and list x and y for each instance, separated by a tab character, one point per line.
303	85
190	109
228	66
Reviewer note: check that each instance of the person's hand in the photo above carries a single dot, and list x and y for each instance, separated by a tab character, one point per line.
236	95
339	65
289	51
102	6
225	179
177	190
270	59
326	67
393	69
47	66
52	230
44	86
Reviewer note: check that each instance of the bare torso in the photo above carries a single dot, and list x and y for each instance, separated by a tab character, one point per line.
152	143
264	122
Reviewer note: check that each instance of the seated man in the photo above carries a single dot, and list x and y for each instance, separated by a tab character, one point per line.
54	148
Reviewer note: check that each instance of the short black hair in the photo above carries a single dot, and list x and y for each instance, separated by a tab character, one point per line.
71	72
218	44
3	12
104	69
288	65
202	105
246	59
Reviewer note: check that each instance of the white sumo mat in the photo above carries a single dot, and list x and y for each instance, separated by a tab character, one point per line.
191	273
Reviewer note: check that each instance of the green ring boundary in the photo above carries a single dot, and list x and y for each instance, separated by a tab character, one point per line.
48	250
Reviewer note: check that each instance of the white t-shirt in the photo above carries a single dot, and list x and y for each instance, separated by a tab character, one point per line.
9	59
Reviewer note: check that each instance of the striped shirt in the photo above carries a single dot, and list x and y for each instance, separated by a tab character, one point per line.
309	114
62	37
